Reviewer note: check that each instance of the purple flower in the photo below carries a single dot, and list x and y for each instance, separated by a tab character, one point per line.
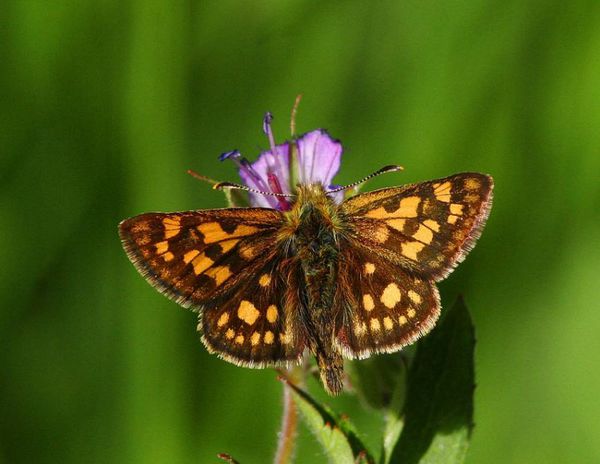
318	160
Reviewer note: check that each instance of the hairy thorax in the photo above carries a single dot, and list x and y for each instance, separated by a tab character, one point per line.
312	227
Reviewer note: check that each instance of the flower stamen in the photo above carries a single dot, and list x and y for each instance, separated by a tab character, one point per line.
269	133
276	188
243	164
310	158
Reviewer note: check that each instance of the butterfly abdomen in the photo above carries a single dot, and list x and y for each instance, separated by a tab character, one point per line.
316	249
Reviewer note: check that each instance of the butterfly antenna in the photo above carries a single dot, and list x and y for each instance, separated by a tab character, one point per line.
383	170
233	186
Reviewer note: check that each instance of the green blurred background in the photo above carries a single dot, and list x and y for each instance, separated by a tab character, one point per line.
105	104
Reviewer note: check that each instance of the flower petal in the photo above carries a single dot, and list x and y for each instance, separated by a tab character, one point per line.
319	157
338	197
279	165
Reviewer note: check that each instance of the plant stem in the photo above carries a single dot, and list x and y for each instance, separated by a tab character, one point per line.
289	420
287	435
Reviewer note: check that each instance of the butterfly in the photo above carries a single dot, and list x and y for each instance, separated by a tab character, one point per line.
338	279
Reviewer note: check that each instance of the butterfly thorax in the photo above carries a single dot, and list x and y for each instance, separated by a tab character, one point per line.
313	229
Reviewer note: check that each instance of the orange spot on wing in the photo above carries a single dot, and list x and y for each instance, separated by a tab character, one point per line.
228	245
272	313
247	252
411	249
397	224
387	323
472	184
407	209
391	295
201	263
162	247
243	230
360	328
375	325
455	208
442	189
190	255
423	234
433	225
472	198
172	225
219	273
223	319
213	232
264	280
247	312
381	233
414	297
141	226
368	302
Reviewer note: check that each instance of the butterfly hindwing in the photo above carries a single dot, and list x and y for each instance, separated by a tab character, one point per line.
426	228
380	307
256	324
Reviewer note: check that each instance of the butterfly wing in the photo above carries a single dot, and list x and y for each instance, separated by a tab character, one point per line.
425	228
224	265
396	243
254	325
380	307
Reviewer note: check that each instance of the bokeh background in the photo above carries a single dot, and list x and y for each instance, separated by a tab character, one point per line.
105	104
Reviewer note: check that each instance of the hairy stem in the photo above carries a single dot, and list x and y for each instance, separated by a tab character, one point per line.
289	420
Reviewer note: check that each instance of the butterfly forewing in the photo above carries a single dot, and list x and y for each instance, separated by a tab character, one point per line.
425	228
380	307
195	256
224	264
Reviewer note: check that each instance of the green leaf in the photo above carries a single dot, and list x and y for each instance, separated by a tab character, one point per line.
379	381
438	411
337	435
391	432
